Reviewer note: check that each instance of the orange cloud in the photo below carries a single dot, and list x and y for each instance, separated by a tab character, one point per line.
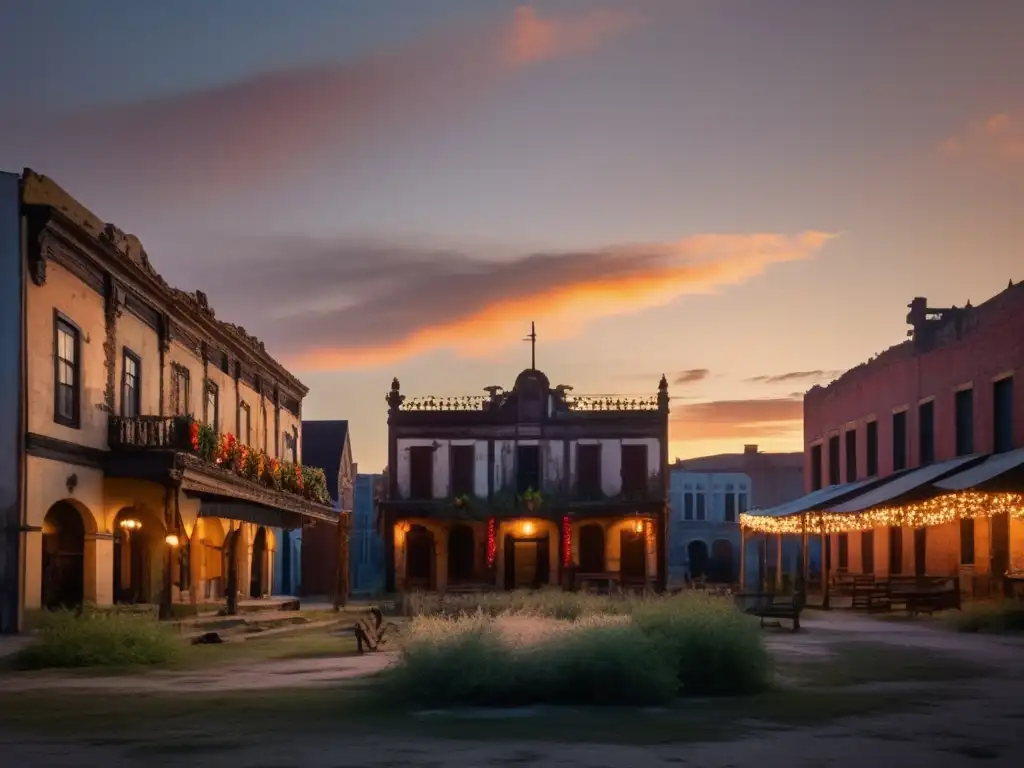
356	305
796	376
997	137
738	420
273	125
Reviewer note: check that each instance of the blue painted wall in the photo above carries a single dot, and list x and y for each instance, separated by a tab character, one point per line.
366	548
288	562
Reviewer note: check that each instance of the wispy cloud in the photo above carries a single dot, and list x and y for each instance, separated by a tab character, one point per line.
795	376
357	304
998	137
737	419
268	126
691	376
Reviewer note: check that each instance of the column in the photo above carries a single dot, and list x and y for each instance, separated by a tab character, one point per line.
32	588
99	568
825	558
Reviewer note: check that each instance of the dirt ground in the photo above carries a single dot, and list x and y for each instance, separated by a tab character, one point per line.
976	719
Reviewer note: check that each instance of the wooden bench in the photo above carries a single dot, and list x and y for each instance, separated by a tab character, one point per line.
372	634
772	606
924	594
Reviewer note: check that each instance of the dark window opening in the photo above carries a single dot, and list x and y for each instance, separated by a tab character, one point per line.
588	471
212	405
965	422
851	455
926	432
872	449
182	391
742	503
1002	415
527	468
421	472
816	474
463	469
634	471
730	508
966	541
867	552
833	461
844	551
899	441
701	511
67	375
131	401
895	551
687	506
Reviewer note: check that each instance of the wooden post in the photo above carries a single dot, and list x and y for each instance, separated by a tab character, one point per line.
743	559
806	565
826	545
342	579
778	563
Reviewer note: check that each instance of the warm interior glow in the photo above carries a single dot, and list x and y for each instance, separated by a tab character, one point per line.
130	524
638	526
528	528
172	540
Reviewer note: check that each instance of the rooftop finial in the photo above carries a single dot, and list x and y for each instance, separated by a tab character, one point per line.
532	338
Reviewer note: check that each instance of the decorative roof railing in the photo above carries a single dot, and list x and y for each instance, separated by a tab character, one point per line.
612	403
463	403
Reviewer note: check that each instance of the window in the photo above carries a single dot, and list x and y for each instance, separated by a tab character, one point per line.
833	460
926	432
463	469
895	550
730	508
867	552
588	471
844	550
181	388
291	447
899	441
67	378
1002	415
816	476
527	468
245	424
130	392
687	506
701	510
872	449
851	455
965	422
634	471
421	472
263	418
212	405
966	541
742	503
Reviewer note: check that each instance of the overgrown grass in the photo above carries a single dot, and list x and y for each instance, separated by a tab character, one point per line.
998	616
552	604
687	645
66	639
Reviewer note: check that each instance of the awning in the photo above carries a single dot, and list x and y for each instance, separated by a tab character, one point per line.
998	472
247	512
816	499
907	486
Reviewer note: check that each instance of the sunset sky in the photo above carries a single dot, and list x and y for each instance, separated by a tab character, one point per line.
741	195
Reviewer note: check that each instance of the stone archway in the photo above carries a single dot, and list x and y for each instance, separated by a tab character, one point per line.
721	568
63	561
592	549
259	571
461	553
139	541
697	552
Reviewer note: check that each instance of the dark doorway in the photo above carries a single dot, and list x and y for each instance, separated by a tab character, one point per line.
419	558
592	548
461	548
895	550
527	563
588	471
257	572
697	551
632	556
920	551
527	468
63	557
1000	546
867	552
133	559
720	569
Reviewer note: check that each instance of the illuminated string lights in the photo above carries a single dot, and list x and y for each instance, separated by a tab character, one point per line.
938	511
566	541
492	545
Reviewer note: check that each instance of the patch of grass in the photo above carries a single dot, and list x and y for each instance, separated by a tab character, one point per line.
694	645
552	604
997	616
317	643
866	663
66	639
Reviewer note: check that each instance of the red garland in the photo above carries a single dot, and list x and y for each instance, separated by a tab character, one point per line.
492	546
566	542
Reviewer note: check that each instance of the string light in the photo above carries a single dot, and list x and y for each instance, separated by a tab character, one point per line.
938	511
492	547
566	541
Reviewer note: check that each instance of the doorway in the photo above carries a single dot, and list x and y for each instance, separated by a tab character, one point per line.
632	556
461	553
63	557
527	564
920	551
257	572
419	558
697	551
591	548
1000	548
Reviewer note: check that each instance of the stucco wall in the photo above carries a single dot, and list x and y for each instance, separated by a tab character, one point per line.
144	342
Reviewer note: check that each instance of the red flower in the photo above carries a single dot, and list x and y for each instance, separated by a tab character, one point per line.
194	433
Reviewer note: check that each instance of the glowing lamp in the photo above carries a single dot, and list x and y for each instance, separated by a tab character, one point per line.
130	524
527	528
172	540
638	526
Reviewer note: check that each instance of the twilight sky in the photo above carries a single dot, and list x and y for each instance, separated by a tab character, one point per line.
744	195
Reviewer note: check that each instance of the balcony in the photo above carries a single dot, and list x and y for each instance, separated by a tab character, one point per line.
213	467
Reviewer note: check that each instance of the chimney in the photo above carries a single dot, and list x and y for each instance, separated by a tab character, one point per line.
749	450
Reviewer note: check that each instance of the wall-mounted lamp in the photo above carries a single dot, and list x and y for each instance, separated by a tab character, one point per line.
638	526
528	528
172	539
130	524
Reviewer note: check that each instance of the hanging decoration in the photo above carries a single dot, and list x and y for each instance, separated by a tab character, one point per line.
492	546
566	542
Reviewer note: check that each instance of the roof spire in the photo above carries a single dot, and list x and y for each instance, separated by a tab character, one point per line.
532	338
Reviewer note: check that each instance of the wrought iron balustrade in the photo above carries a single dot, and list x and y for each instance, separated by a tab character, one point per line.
609	403
170	433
